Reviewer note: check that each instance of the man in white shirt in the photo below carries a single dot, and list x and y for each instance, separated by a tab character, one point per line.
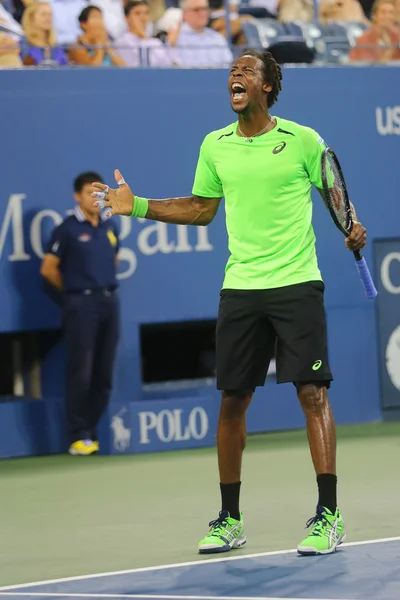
197	45
135	46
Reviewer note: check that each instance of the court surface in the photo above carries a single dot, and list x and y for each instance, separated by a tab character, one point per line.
65	518
358	571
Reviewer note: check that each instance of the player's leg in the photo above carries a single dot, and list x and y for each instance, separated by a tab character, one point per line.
231	442
245	341
321	433
326	527
300	323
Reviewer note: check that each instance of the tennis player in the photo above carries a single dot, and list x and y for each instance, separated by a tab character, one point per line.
265	167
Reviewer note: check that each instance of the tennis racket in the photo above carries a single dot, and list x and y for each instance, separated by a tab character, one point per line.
337	201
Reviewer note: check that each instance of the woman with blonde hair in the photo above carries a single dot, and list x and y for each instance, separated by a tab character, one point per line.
39	47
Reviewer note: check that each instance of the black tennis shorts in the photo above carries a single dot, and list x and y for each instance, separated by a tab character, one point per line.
253	323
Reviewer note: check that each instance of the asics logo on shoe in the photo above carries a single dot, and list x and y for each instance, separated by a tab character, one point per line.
232	533
332	534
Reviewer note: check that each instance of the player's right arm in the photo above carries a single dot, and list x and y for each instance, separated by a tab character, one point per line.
198	209
189	210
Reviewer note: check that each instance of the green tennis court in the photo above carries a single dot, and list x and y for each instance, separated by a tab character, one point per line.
64	516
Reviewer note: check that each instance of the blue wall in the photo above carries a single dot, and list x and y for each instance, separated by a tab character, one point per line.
149	124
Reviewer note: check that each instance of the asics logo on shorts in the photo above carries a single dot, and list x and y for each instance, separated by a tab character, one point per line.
317	365
279	148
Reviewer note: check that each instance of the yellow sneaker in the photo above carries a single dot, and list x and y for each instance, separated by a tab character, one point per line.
83	448
96	443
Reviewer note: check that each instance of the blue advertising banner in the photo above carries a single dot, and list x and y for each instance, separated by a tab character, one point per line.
387	261
159	425
58	123
32	427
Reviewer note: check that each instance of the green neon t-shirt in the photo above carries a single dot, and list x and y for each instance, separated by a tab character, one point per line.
266	184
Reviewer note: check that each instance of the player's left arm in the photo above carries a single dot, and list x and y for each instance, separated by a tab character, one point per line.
313	147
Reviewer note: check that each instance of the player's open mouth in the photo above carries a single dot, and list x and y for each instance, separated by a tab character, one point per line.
238	92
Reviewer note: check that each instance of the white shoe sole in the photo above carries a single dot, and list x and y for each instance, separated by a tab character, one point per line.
214	548
310	551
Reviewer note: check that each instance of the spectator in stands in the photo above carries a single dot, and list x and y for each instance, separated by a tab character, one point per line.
271	6
113	15
197	45
296	10
135	46
218	21
341	10
367	7
94	34
65	19
7	17
397	14
380	42
17	7
81	263
9	49
40	45
171	19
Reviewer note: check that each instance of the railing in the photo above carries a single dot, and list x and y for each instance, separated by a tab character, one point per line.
327	48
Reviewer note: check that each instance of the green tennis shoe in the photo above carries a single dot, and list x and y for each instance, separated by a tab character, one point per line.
327	533
225	533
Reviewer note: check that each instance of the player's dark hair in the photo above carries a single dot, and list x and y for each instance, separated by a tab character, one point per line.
84	16
85	178
133	4
272	73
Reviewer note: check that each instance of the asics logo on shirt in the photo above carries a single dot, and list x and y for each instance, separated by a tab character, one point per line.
279	148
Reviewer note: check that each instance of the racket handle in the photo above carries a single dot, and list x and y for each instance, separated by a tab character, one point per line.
365	276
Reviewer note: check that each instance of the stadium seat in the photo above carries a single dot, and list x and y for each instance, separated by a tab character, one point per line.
337	43
293	29
267	32
330	42
258	12
312	31
288	45
256	8
353	30
251	32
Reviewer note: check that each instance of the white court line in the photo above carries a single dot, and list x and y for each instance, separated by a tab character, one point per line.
149	597
192	563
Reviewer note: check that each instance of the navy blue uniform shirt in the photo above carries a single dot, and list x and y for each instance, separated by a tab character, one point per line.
87	254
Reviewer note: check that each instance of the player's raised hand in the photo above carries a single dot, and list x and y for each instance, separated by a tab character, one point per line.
358	237
119	201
